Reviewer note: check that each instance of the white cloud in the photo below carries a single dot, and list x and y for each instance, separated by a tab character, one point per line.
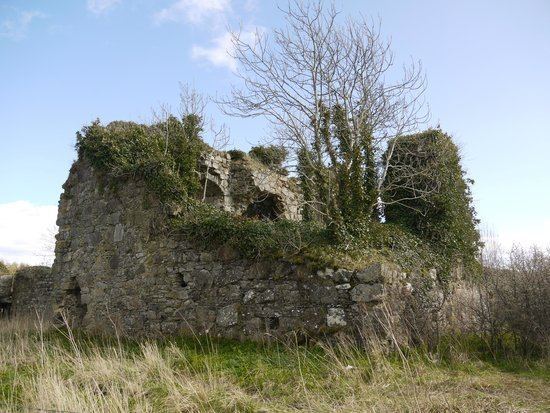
192	11
16	29
220	54
26	232
101	6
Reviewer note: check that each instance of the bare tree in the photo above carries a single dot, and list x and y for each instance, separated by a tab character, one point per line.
193	103
46	253
331	91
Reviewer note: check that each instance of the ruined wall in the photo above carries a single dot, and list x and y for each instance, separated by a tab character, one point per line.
117	267
244	186
6	282
27	293
32	292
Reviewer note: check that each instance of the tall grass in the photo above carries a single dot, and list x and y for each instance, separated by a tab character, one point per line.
62	370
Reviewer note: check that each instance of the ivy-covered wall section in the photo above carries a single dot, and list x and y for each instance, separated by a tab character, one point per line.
436	230
444	215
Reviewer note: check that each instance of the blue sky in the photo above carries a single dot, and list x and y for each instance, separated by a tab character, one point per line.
64	63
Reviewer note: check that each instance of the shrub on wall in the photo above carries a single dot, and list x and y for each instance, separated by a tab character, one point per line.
444	215
164	155
212	228
271	156
236	154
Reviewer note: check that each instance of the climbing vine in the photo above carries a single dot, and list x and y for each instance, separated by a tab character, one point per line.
444	216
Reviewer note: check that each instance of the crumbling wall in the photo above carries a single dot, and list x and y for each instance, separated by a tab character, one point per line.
117	267
32	292
246	187
27	293
6	282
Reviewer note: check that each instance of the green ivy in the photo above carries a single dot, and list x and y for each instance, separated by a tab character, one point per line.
271	156
445	218
164	155
212	228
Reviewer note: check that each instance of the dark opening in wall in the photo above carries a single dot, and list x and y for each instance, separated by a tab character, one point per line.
266	206
272	323
73	303
5	310
181	280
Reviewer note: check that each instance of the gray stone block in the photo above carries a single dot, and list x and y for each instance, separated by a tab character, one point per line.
365	293
119	233
228	316
336	317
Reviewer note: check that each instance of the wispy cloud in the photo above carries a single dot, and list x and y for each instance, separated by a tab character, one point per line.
192	11
101	6
220	54
16	29
212	15
26	232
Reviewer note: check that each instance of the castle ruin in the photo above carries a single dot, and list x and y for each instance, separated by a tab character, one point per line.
117	268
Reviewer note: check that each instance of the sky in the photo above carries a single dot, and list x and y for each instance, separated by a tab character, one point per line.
64	63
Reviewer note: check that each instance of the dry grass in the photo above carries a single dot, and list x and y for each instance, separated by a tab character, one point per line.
59	371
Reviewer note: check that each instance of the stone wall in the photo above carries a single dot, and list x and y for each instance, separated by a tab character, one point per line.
27	293
117	267
32	292
6	282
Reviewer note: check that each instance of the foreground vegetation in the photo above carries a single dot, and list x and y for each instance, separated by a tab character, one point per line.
483	346
62	371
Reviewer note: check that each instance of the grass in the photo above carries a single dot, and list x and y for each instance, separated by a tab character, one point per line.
61	370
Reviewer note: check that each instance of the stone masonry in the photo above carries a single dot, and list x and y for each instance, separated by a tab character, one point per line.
27	293
117	267
245	187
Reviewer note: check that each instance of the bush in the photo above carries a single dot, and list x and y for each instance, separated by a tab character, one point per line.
212	228
164	155
12	268
514	300
506	310
271	156
236	154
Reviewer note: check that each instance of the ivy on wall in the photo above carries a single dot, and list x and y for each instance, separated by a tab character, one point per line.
433	232
444	216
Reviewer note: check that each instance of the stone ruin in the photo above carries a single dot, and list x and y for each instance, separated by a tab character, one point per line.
245	187
117	268
28	293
